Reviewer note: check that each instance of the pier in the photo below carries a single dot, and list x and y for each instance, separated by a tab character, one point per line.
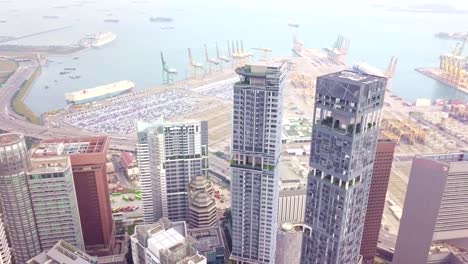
437	74
33	34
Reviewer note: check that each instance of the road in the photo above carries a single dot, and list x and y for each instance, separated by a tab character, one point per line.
12	122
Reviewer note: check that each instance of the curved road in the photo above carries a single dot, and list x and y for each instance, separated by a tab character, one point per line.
12	122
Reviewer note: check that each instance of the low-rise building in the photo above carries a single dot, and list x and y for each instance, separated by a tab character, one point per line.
164	242
63	253
129	164
292	201
210	243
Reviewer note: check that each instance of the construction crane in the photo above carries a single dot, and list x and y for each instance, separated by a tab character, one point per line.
210	61
194	66
167	73
459	51
265	52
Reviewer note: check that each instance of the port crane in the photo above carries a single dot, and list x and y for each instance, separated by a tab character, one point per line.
265	52
210	61
454	66
194	66
390	71
221	59
167	73
337	53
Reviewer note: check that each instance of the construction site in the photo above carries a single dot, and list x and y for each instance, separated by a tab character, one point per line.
453	68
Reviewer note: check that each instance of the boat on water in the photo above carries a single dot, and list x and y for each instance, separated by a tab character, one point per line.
75	76
50	17
111	20
64	72
455	35
161	19
102	38
293	24
167	27
99	92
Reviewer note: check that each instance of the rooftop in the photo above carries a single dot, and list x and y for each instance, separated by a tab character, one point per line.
165	239
259	69
9	138
71	146
448	157
208	238
353	76
50	164
61	253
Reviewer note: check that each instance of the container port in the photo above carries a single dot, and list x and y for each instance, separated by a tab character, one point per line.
453	68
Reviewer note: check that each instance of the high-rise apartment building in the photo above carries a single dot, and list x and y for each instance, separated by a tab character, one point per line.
15	202
88	163
63	253
347	114
169	155
376	201
435	206
5	254
54	201
256	147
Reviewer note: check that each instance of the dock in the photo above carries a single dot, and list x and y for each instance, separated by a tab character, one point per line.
437	74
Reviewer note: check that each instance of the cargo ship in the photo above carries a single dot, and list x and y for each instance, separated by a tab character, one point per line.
161	19
100	92
101	39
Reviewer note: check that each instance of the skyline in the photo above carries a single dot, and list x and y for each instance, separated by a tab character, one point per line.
246	133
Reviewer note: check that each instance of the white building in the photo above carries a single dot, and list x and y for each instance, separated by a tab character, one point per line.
168	156
256	147
292	203
5	255
164	243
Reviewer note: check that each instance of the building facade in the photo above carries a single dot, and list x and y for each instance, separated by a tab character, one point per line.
256	147
292	203
5	254
54	201
289	243
435	206
347	114
169	155
376	201
15	202
63	253
202	205
88	163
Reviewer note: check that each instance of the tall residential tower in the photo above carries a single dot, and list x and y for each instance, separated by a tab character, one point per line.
169	155
256	146
15	202
348	108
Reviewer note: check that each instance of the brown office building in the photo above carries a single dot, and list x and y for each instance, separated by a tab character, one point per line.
376	202
88	160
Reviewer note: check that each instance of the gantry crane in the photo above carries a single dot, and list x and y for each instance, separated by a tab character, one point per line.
265	52
167	73
194	66
210	61
390	71
220	57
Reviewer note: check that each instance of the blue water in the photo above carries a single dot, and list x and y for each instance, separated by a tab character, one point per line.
376	35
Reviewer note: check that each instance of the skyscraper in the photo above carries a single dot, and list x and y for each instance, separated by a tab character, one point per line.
5	254
376	201
54	201
435	206
88	162
15	202
347	115
169	155
256	146
202	205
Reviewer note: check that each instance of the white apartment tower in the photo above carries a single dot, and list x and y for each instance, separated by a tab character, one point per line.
5	254
256	146
169	155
